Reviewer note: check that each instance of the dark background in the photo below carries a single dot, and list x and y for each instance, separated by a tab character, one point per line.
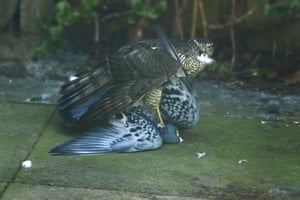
254	39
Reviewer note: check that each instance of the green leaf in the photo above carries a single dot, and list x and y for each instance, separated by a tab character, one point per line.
56	32
43	48
267	9
131	20
89	4
62	5
295	4
161	6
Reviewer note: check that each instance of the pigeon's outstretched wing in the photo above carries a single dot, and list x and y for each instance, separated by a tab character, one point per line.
131	131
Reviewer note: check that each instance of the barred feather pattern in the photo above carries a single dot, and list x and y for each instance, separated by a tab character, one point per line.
152	98
191	65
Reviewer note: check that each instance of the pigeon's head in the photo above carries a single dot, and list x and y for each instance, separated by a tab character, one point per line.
170	134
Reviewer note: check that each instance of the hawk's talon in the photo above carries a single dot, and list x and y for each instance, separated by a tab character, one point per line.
124	119
181	140
178	135
159	125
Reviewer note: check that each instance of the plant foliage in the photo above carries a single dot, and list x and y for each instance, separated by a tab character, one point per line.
281	9
67	13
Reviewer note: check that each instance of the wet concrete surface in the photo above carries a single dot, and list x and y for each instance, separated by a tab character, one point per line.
252	152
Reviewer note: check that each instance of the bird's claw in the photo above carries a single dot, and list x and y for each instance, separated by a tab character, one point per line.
161	126
124	120
181	140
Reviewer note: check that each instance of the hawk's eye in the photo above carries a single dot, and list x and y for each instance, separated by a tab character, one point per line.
209	47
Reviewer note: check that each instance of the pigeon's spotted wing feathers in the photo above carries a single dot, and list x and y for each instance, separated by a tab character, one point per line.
131	131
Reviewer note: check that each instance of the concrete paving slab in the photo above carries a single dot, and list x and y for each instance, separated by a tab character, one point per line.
20	127
29	90
26	191
270	169
2	186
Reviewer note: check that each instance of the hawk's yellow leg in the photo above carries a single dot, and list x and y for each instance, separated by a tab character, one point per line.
161	121
177	133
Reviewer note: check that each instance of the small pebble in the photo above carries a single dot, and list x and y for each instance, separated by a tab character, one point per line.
242	161
201	154
263	122
45	96
27	164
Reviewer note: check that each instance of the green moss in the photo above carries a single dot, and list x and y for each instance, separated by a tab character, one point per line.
175	169
271	150
20	127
